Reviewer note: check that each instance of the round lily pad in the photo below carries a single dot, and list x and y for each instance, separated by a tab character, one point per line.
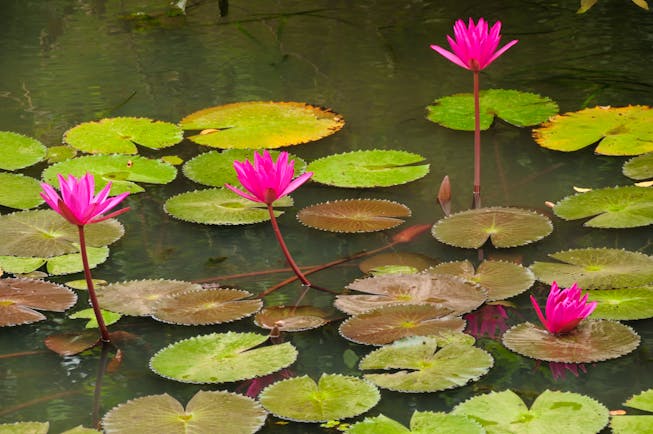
121	135
72	262
220	206
623	304
521	109
367	169
216	412
354	215
505	227
422	422
387	324
591	341
640	167
20	299
333	397
221	358
552	411
123	171
399	259
18	151
20	265
291	318
25	428
596	268
19	191
618	130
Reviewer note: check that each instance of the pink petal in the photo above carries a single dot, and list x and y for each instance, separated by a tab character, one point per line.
449	56
243	194
296	183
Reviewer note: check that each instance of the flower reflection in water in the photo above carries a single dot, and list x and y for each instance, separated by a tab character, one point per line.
490	321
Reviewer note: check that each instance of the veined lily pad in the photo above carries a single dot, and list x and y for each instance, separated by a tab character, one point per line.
222	357
291	318
596	268
19	191
422	422
552	411
121	135
640	424
440	290
18	151
640	167
623	304
216	412
421	369
88	314
619	130
25	428
387	324
505	227
521	109
220	206
261	125
123	171
216	169
366	169
618	207
354	215
400	259
20	299
72	262
591	341
333	397
500	279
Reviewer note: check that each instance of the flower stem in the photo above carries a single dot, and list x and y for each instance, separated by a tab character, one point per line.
284	249
104	333
477	143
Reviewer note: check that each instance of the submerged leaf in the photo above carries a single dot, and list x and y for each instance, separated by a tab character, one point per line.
21	298
354	215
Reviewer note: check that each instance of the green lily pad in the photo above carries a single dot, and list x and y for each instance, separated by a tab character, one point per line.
261	125
18	151
221	358
81	430
591	341
422	422
25	428
354	215
623	304
642	401
220	206
367	169
596	268
500	279
20	299
333	397
19	191
72	262
121	135
419	368
215	412
399	259
291	318
618	130
20	265
640	167
82	285
640	424
123	171
57	154
521	109
88	314
216	169
552	412
505	227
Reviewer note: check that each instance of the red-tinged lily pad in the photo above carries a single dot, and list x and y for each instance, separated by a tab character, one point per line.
354	215
388	324
441	290
397	259
21	298
205	306
69	344
261	124
591	341
291	318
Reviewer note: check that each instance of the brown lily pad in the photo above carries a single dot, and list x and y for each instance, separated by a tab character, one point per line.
69	344
291	318
20	299
354	215
398	259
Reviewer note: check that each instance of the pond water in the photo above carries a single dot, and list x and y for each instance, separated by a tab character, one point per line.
71	61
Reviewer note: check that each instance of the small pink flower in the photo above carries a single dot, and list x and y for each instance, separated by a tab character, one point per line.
267	180
474	47
77	202
565	308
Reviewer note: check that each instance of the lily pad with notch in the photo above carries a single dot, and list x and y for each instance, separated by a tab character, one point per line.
625	304
89	314
422	422
19	191
72	262
21	300
640	167
291	318
640	424
18	151
354	215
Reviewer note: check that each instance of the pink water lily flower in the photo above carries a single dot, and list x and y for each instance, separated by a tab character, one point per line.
267	180
474	46
78	203
565	309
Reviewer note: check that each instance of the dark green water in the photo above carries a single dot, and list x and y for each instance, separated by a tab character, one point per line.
70	61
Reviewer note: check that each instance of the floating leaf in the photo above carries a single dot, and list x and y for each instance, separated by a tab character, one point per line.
422	422
20	297
596	268
220	206
640	424
623	304
215	412
20	265
81	284
552	411
421	369
121	135
387	324
108	316
400	259
72	262
221	357
500	279
261	125
619	130
291	318
366	169
81	430
123	171
25	428
19	191
206	306
591	341
521	109
505	227
172	159
642	401
354	215
333	397
18	151
617	207
640	167
57	154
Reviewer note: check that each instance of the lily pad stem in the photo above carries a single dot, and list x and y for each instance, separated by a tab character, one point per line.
477	143
284	249
104	333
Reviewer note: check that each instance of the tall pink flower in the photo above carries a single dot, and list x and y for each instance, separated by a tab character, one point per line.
565	308
474	46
